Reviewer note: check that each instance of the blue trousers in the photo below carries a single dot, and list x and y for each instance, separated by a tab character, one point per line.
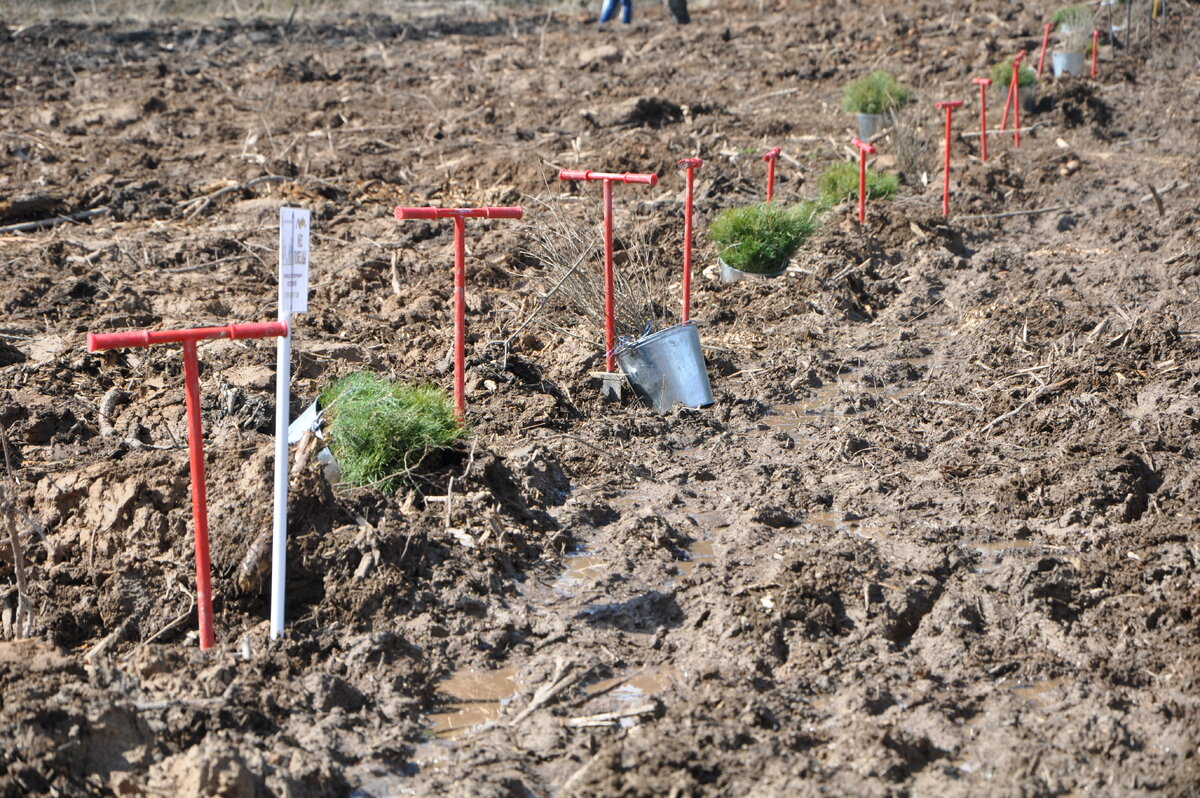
610	8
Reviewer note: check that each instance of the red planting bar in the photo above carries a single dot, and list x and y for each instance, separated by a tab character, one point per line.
1017	99
1014	91
606	181
949	107
1096	46
690	165
771	156
1045	41
864	149
983	83
460	215
609	177
191	381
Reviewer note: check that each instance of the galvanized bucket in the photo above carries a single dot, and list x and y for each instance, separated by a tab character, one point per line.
1028	95
732	275
1070	63
667	368
869	125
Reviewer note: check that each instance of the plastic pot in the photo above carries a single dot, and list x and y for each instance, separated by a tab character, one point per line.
667	368
731	275
869	125
1069	63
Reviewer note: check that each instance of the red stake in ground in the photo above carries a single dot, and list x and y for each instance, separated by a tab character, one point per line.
1095	49
459	215
191	382
949	106
770	157
606	180
863	151
690	165
1014	91
982	83
1045	41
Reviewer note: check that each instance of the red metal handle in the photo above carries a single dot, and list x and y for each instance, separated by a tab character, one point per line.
982	81
136	338
772	154
950	104
867	148
446	213
625	177
691	163
1020	54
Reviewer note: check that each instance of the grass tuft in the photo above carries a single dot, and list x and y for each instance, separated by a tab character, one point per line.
381	431
877	93
839	183
1002	74
762	238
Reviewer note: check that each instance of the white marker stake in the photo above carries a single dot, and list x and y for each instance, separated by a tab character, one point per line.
293	298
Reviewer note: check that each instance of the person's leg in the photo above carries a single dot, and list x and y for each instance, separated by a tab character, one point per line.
607	10
679	11
627	11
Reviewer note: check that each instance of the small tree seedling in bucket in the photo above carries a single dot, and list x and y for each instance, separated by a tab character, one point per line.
606	180
983	84
771	156
760	239
690	165
460	216
949	107
1075	25
191	380
871	97
863	150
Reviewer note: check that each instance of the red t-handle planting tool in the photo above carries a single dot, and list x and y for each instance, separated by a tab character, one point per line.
982	83
1095	48
771	156
459	215
191	382
690	165
949	106
1045	41
1014	91
606	180
863	150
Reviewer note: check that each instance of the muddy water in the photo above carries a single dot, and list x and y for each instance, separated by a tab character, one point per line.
479	697
858	528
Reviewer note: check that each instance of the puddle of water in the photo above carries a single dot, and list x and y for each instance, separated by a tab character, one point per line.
698	551
480	696
1041	694
630	688
858	529
581	567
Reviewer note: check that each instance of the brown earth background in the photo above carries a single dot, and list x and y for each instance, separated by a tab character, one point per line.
937	535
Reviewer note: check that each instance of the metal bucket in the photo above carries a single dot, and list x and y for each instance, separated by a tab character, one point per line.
732	275
1070	63
869	125
667	368
1028	95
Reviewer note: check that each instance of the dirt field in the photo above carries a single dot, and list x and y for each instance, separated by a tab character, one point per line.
937	536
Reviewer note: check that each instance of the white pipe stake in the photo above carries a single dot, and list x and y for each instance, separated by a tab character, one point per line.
293	298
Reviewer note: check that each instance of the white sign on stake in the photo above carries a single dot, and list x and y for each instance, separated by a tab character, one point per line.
293	260
293	298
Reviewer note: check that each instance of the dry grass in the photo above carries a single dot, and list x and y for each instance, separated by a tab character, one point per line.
571	251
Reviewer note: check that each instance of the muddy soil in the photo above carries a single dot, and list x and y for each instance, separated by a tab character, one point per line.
938	535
